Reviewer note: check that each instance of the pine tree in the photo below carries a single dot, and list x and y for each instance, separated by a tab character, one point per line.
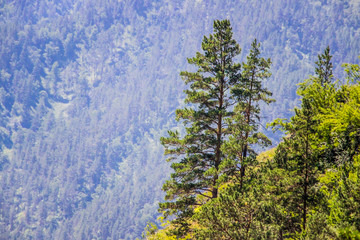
302	154
234	214
245	123
298	155
242	212
198	155
324	67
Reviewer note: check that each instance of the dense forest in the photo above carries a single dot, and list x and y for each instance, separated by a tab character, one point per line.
307	187
87	89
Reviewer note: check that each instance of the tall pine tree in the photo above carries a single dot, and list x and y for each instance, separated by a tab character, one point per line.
197	156
244	125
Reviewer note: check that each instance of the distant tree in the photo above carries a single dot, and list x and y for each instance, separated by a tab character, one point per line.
324	67
352	71
198	155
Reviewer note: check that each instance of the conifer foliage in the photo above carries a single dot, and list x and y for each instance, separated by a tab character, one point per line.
324	67
305	188
210	103
221	123
244	126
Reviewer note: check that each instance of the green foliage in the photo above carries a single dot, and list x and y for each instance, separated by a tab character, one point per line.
326	128
241	212
199	151
324	67
300	153
230	216
340	184
87	87
221	125
244	125
353	72
308	189
150	229
341	188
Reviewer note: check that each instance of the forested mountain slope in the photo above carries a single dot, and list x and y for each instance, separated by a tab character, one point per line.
88	87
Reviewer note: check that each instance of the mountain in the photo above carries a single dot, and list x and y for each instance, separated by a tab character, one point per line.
88	87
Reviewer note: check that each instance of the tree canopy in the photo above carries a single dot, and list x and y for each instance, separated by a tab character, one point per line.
305	188
221	123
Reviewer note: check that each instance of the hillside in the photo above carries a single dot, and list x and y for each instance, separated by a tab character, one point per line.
88	87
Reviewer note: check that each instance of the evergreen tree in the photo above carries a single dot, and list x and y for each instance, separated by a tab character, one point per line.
302	154
242	212
199	153
245	123
324	67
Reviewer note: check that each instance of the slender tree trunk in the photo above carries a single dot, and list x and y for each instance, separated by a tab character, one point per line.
306	178
219	133
247	119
